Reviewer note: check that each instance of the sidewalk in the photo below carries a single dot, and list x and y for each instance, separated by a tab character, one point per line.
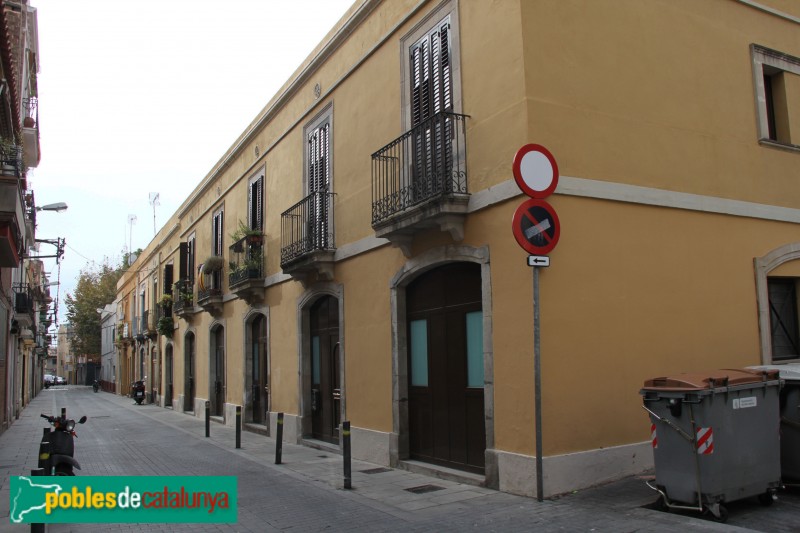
381	493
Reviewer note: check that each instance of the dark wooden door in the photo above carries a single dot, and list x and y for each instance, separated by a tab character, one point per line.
168	377
188	375
218	364
258	369
325	390
445	367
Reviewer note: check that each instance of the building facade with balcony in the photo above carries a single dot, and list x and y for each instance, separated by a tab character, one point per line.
22	326
351	256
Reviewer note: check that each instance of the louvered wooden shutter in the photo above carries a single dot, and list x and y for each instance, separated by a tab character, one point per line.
168	281
183	253
255	204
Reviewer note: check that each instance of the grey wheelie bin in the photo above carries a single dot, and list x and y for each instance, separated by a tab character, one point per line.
790	420
715	437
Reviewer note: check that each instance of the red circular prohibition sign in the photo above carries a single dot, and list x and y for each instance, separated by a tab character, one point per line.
536	227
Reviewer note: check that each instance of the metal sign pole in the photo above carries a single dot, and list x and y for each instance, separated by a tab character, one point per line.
537	373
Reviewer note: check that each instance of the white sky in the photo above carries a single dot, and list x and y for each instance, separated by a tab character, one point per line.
141	96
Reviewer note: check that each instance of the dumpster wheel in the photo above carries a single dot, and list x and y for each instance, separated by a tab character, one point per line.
767	498
718	512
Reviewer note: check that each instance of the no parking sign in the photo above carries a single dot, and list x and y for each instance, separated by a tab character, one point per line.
535	224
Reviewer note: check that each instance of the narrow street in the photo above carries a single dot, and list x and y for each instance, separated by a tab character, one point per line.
305	492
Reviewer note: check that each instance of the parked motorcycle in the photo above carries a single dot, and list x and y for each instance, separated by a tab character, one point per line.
96	385
56	458
137	391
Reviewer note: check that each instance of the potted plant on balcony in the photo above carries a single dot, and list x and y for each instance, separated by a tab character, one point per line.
252	237
165	302
166	326
214	263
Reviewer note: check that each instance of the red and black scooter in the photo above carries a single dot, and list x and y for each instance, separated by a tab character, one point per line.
57	447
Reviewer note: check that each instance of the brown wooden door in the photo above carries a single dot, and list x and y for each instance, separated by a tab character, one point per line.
168	376
325	390
445	367
218	378
258	369
188	375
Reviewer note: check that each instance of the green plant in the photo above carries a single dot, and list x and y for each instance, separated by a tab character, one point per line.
214	263
165	326
242	231
165	301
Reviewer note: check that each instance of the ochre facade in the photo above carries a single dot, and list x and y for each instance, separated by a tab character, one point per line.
677	199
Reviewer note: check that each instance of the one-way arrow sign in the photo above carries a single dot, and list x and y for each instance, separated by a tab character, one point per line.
538	261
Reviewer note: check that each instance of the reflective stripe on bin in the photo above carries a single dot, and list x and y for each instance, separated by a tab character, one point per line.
705	441
653	435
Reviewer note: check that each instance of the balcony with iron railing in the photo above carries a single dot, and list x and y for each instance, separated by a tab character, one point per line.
419	181
246	268
24	305
209	286
11	163
30	132
183	299
308	237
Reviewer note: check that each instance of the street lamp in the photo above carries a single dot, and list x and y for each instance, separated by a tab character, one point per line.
57	207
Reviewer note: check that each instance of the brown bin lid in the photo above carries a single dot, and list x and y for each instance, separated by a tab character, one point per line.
708	380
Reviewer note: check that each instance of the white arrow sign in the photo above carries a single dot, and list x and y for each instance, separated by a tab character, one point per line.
538	261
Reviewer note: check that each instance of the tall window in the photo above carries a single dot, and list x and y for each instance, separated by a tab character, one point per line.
431	83
777	85
319	168
784	327
255	202
216	247
190	259
319	174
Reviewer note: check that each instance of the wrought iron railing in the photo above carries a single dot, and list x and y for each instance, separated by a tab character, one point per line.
307	227
182	296
427	162
11	156
31	106
246	260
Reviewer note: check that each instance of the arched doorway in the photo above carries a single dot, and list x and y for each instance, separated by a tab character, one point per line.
325	351
445	371
257	371
168	376
189	347
217	371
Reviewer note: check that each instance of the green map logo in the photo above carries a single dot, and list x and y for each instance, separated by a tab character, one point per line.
122	499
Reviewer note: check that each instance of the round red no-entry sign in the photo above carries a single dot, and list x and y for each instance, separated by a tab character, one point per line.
535	171
536	227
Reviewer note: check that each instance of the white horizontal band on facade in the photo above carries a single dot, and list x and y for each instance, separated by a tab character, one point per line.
622	192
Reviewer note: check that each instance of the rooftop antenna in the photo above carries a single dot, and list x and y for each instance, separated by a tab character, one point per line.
131	222
154	196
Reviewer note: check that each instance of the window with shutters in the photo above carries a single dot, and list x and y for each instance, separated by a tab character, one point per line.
319	182
777	88
216	248
783	317
425	169
255	201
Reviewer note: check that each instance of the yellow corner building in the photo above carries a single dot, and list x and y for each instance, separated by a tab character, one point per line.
351	257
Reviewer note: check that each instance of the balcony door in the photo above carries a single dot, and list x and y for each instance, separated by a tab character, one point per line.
168	376
431	94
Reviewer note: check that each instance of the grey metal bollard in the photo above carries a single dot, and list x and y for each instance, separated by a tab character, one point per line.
238	426
348	478
208	418
279	440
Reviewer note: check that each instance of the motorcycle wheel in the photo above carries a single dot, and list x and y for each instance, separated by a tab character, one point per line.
64	470
139	401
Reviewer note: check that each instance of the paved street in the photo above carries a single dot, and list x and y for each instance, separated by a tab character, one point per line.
305	493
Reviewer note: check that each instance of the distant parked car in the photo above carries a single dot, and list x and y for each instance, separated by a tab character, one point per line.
49	379
60	381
